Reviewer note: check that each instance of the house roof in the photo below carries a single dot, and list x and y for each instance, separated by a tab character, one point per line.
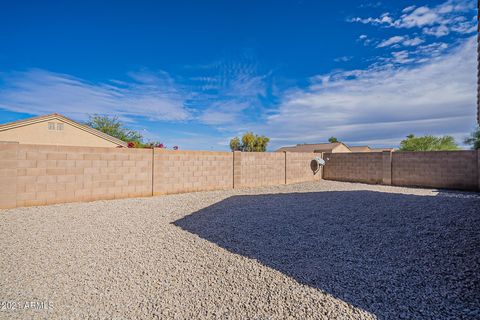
313	147
382	149
360	149
56	116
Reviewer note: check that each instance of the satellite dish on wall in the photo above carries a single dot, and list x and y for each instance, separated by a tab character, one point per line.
316	164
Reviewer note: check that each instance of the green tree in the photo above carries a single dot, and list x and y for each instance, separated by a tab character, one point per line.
474	139
250	142
235	144
261	143
113	127
332	140
428	143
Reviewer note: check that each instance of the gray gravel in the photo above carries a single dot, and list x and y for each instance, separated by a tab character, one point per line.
322	250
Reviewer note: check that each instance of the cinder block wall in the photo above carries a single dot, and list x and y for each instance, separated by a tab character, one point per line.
185	171
355	167
298	167
42	174
255	169
438	169
8	175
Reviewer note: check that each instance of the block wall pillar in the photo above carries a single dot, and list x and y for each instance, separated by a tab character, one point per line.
387	167
237	169
322	168
478	167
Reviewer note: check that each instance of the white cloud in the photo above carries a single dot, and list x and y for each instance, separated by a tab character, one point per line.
431	50
408	9
420	54
364	39
370	4
153	96
383	19
382	105
437	31
220	99
343	59
390	41
422	16
220	113
438	21
397	40
413	42
401	57
234	87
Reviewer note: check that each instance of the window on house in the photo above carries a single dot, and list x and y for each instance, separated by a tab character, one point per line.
51	126
59	126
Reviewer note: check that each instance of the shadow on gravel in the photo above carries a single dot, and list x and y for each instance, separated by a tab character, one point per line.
394	255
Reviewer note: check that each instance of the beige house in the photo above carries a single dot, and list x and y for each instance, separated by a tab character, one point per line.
336	147
368	149
361	149
317	147
382	149
55	129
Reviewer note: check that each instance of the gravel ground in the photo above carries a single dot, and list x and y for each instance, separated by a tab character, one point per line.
321	250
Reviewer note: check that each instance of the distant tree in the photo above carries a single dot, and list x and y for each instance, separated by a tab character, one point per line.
261	143
474	139
333	140
428	143
235	144
113	127
249	143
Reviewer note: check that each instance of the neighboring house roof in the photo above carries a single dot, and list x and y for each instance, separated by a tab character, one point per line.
360	149
56	116
314	147
382	149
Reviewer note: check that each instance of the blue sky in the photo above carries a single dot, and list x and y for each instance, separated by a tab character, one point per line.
196	73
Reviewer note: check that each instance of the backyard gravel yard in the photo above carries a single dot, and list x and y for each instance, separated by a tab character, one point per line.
320	250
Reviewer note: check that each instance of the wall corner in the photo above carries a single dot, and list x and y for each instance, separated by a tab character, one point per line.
152	170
